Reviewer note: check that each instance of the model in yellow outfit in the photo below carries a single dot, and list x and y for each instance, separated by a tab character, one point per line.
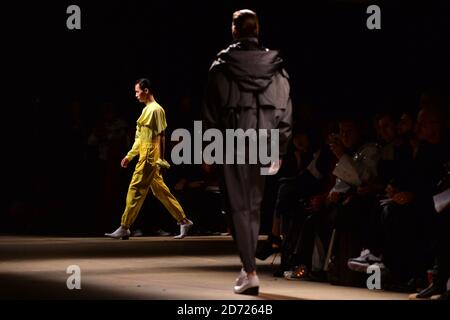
149	145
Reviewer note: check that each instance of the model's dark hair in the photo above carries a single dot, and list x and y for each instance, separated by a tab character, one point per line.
145	83
246	23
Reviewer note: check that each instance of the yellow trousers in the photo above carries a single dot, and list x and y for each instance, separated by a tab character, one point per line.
147	176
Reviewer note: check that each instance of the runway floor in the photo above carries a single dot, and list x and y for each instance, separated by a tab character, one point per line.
150	268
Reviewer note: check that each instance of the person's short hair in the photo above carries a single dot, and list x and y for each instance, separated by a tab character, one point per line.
246	23
145	83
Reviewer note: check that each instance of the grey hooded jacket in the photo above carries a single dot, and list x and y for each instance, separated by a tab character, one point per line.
248	88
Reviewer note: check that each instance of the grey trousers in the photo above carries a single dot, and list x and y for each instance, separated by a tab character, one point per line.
243	187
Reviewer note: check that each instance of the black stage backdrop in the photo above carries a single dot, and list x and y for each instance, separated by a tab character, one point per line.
57	80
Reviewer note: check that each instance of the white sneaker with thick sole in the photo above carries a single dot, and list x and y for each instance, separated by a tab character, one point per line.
184	228
120	233
249	286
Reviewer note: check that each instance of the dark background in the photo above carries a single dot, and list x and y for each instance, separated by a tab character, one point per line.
336	65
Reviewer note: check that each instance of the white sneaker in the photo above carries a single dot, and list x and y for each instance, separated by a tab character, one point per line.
249	285
184	228
120	233
365	260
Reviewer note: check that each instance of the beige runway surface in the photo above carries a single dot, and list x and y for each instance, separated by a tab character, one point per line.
150	268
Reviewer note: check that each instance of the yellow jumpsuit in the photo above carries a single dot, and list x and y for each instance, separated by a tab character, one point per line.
150	125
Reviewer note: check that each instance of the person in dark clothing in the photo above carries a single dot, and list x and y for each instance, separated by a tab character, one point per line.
247	90
407	223
289	190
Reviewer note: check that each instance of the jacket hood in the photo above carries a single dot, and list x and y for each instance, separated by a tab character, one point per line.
252	69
